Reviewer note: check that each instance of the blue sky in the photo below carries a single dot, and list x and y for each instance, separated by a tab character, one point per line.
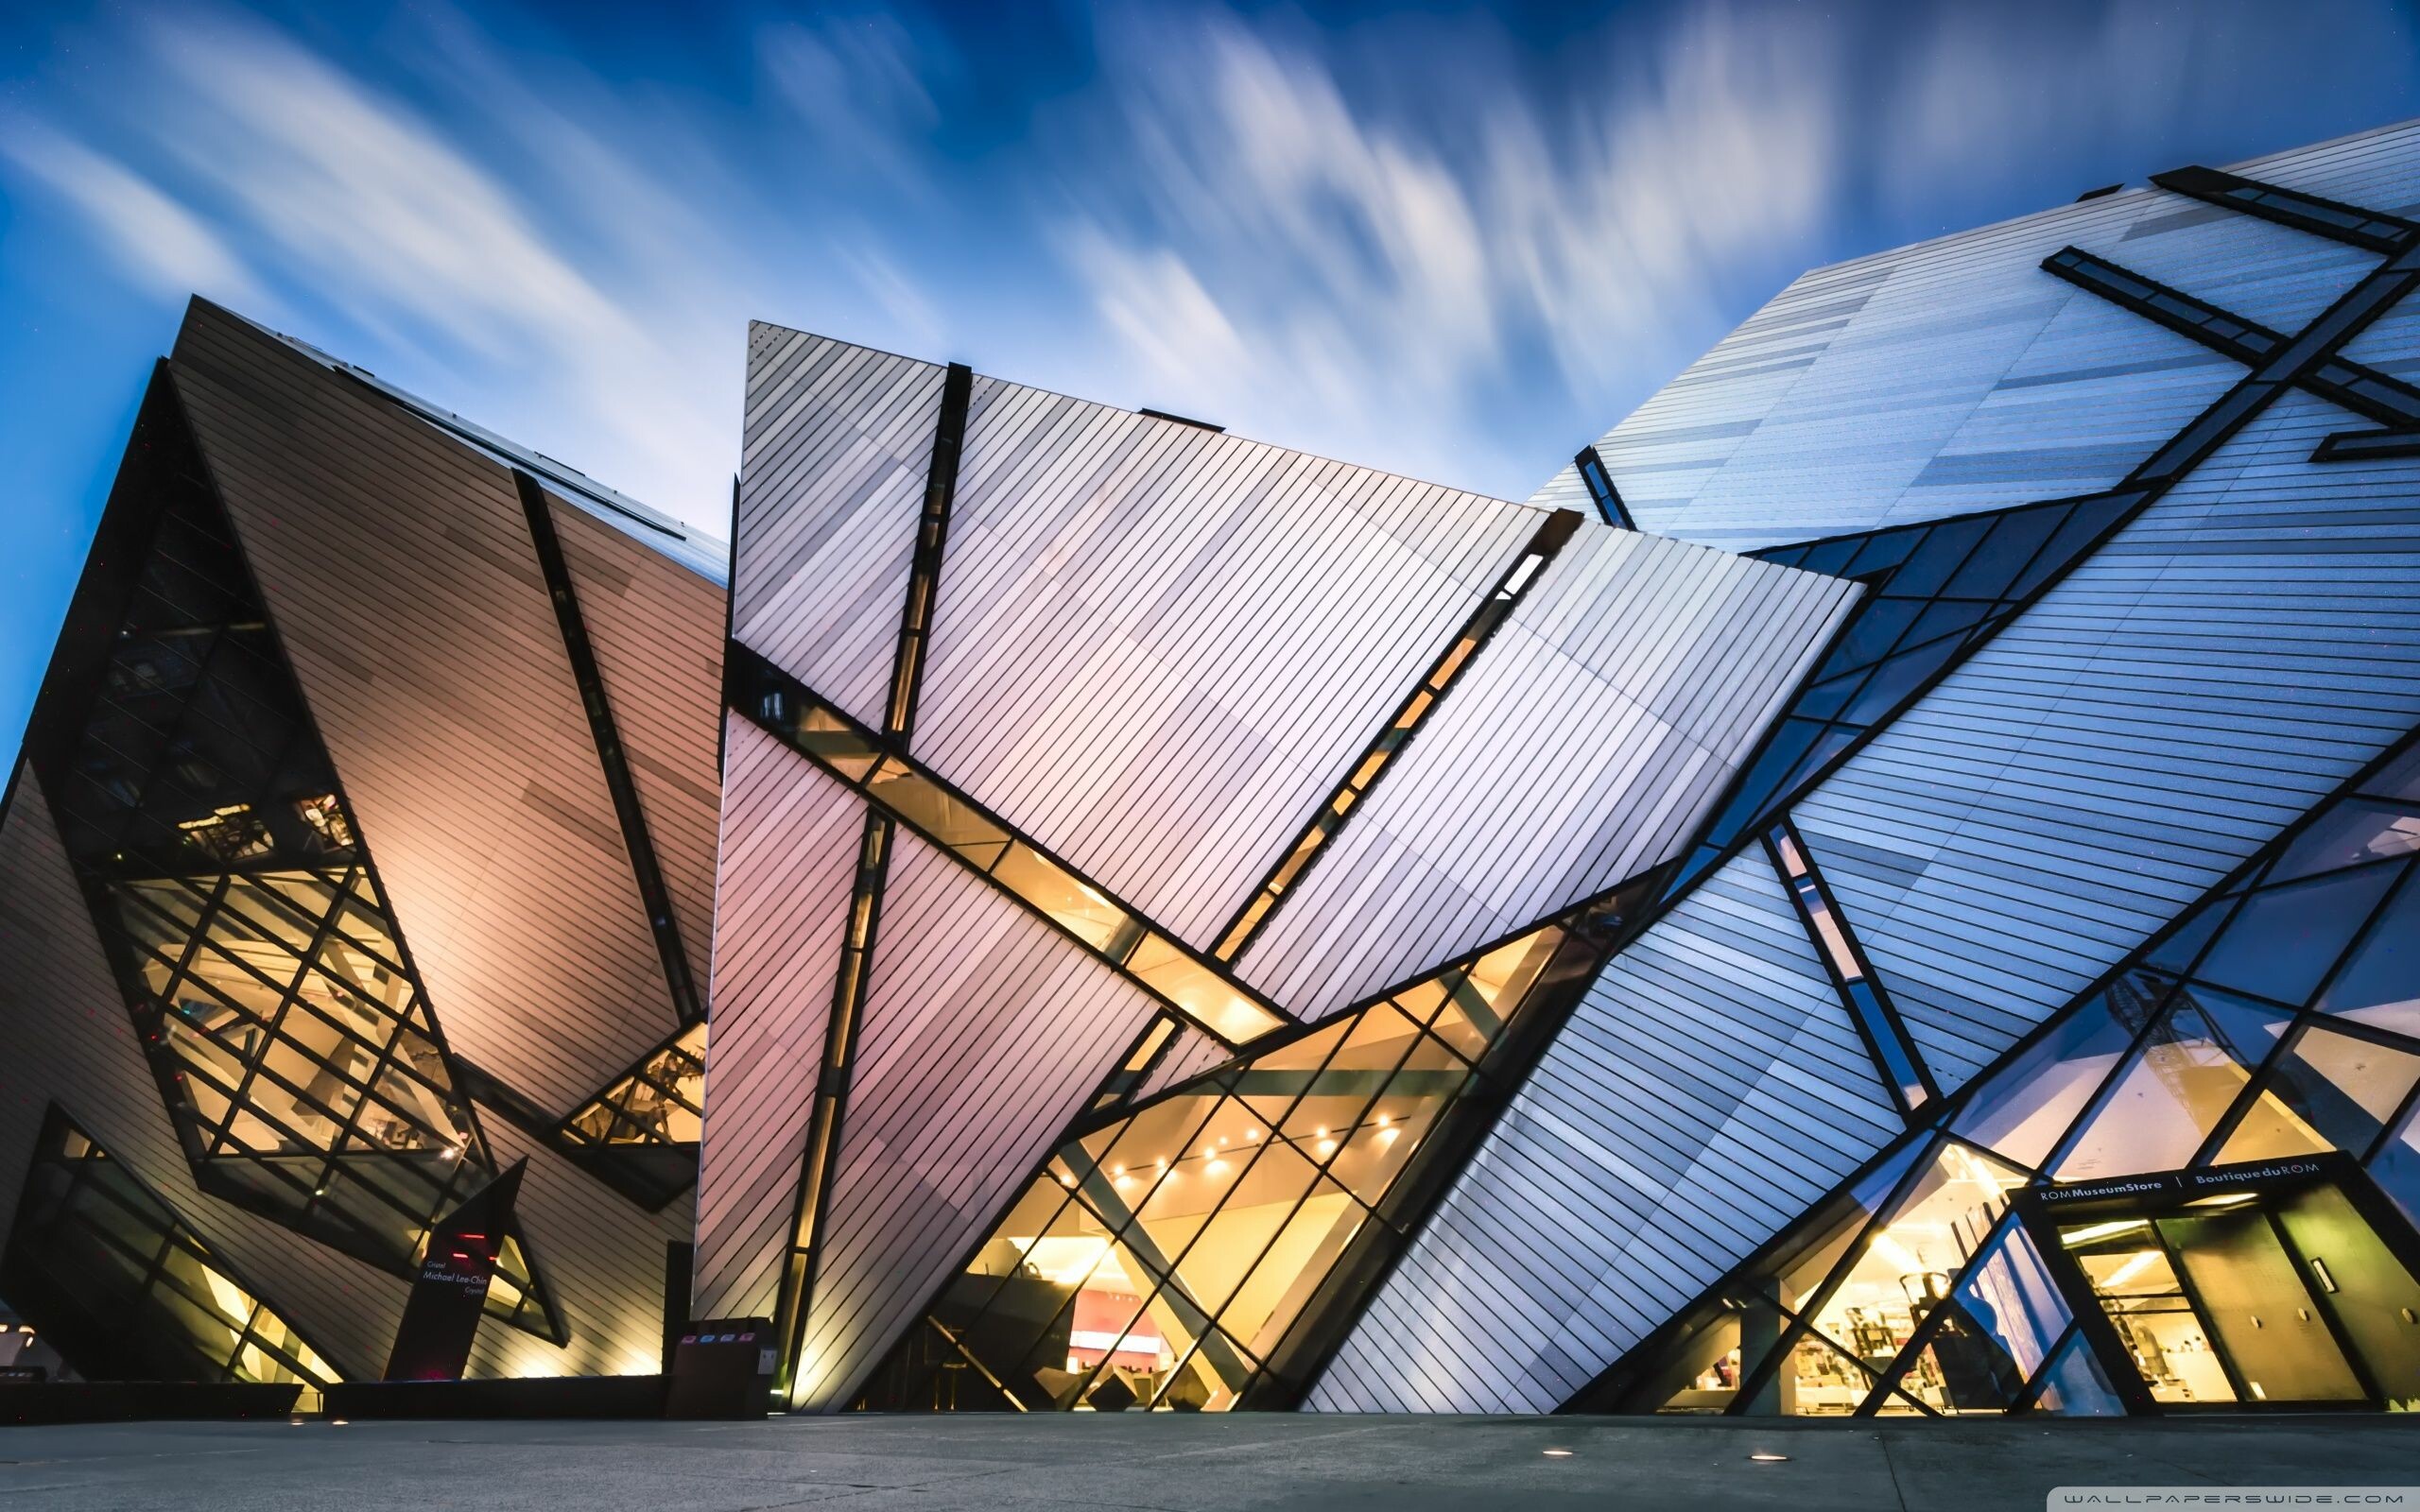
1455	242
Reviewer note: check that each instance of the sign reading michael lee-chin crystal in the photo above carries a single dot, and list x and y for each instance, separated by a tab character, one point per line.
2216	1181
441	1316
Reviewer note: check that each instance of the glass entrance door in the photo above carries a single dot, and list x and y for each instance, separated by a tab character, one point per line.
2252	1299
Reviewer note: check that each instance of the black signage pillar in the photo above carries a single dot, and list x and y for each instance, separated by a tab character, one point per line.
723	1367
443	1316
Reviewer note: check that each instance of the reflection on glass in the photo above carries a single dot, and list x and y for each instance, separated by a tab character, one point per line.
2075	1386
1991	1333
2283	941
1903	1269
2182	1079
1894	1055
2022	1111
2379	982
121	1280
2131	1274
1931	590
2327	1091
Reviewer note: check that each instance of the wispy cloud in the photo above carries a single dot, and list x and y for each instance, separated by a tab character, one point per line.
1277	251
1977	96
857	80
167	248
1425	241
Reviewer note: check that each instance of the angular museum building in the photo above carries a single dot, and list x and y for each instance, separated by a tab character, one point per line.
1890	886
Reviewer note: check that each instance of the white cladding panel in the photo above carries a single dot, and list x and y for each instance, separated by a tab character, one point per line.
1707	1090
1158	649
837	447
1581	747
789	859
2245	644
1954	375
984	1032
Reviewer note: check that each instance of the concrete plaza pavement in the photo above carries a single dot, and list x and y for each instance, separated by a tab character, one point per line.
1247	1461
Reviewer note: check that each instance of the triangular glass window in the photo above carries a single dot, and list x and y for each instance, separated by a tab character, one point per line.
2380	982
2283	941
2179	1083
231	882
1933	592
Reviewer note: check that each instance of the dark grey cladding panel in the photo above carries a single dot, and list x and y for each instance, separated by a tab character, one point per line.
383	546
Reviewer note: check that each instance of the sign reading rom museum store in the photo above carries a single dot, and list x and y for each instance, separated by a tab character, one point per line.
2160	1188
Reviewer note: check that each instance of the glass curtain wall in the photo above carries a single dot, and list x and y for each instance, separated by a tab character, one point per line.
297	1053
2277	1022
1172	1256
126	1290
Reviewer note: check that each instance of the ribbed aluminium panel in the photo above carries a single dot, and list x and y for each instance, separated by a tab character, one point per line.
1158	649
657	629
1581	747
1954	375
2377	169
984	1032
66	1037
790	857
836	449
2260	271
603	1258
397	566
2229	657
1193	1054
1707	1089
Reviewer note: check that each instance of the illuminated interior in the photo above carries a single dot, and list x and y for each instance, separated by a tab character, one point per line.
1167	1256
128	1286
660	1102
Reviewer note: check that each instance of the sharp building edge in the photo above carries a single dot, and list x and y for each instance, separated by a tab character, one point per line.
1885	888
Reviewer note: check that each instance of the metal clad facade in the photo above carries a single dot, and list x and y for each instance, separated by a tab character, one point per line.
1707	1090
657	631
2221	664
2231	655
838	443
397	566
1583	748
984	1032
1953	376
1157	650
789	854
67	1038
